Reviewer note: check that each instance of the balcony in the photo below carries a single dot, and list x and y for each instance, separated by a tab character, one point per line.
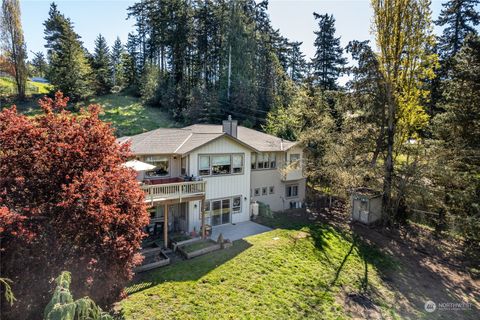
157	192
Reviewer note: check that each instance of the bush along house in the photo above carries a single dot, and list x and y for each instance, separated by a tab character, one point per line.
211	175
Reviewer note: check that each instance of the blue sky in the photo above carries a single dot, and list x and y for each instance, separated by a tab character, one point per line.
293	18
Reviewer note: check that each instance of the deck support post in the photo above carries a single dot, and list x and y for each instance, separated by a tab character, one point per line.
165	226
202	207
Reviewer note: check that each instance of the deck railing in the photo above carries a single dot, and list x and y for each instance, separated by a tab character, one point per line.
173	190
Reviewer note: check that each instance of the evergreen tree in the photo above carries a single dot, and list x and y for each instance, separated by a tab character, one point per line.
457	129
328	62
13	43
69	70
118	70
39	64
102	66
459	17
297	65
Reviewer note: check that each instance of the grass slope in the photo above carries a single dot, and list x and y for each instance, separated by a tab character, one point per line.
8	84
129	116
283	274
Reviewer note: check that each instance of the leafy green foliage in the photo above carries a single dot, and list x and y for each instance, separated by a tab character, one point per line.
63	307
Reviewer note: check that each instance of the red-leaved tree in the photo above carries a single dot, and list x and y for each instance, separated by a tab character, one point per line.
66	203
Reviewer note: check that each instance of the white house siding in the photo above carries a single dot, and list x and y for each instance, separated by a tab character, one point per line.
295	174
265	179
226	186
279	179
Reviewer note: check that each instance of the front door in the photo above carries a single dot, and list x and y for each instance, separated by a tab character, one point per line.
221	211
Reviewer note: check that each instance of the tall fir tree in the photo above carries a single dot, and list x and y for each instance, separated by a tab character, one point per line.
117	67
39	64
328	62
69	70
459	18
456	161
102	66
13	43
297	65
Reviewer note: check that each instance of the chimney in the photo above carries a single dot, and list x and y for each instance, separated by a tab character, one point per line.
230	126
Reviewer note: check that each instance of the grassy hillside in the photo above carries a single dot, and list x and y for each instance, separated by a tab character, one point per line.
294	273
129	116
8	87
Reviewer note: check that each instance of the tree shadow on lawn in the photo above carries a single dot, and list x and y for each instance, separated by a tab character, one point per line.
419	277
187	270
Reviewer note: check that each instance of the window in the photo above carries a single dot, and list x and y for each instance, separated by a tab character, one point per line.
237	161
260	160
264	160
204	166
273	160
206	207
272	190
161	164
291	191
294	159
184	166
257	191
220	164
237	204
264	191
266	163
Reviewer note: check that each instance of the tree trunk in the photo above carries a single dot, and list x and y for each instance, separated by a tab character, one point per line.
388	178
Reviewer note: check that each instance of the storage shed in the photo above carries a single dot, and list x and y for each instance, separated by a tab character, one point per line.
366	205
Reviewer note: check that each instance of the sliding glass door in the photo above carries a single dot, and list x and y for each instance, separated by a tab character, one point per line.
221	211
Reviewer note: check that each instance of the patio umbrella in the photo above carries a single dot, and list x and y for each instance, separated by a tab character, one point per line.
138	165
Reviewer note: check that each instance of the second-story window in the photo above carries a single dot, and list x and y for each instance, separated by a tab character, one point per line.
162	166
264	160
237	161
204	166
221	165
216	165
295	160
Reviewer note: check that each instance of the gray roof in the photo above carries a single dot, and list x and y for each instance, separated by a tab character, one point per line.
185	140
258	140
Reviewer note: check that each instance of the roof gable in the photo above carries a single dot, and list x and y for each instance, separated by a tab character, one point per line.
185	140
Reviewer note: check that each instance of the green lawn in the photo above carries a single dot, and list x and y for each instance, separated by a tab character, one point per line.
303	272
8	85
129	115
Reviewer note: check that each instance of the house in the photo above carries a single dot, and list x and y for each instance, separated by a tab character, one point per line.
211	174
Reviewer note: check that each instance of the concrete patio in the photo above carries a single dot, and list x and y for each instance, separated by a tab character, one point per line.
238	230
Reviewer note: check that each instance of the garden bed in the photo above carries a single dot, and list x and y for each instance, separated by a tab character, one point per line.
154	258
198	248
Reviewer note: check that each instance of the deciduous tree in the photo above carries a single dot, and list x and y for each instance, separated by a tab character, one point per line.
70	205
403	31
13	43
